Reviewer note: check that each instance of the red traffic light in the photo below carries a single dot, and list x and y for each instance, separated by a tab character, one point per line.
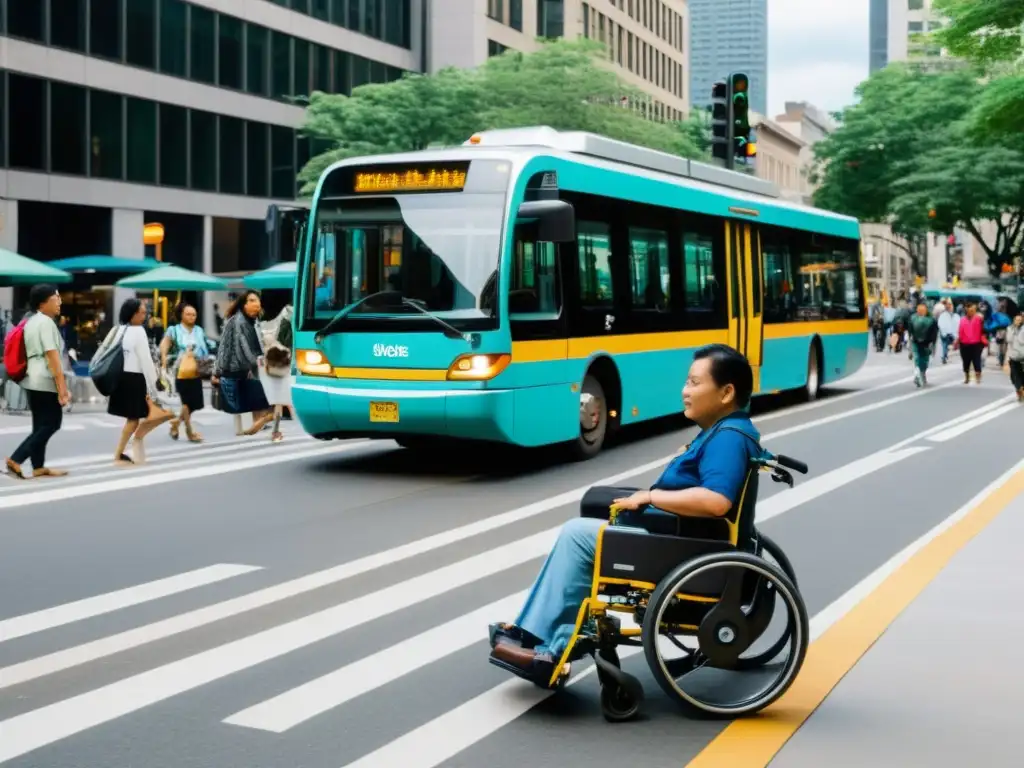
740	84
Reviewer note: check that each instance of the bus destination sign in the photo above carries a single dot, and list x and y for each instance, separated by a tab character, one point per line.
411	180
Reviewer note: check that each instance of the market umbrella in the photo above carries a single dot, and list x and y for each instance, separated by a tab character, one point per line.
97	264
21	270
277	277
171	278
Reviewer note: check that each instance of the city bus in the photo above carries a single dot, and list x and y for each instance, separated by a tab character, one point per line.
535	287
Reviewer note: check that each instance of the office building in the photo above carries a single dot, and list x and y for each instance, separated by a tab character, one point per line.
646	40
898	31
729	36
123	112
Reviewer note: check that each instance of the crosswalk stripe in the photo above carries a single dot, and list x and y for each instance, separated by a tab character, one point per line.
974	423
305	702
90	607
46	725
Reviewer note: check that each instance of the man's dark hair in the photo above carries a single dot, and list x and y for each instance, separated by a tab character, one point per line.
128	310
729	367
40	294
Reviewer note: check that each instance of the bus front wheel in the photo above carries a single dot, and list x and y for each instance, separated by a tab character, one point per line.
813	386
593	419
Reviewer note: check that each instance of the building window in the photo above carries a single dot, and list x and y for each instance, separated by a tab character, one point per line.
360	71
915	5
232	155
914	27
355	21
203	141
282	162
338	12
342	72
550	18
300	87
495	49
280	65
27	133
515	14
25	19
495	10
105	21
322	69
173	146
229	52
373	13
202	45
396	19
321	10
67	129
140	36
173	37
106	132
67	24
141	141
256	59
257	159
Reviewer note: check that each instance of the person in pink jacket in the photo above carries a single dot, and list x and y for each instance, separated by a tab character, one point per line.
972	342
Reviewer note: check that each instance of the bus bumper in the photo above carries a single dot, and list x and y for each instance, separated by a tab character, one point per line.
328	409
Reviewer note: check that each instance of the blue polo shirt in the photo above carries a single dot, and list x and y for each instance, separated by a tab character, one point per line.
717	459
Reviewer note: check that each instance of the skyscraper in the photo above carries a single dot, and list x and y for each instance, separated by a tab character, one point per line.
898	31
878	34
729	36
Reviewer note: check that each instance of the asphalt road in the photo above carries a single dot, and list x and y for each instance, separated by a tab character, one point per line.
320	605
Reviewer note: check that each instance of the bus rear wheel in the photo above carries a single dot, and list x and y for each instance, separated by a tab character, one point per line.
593	419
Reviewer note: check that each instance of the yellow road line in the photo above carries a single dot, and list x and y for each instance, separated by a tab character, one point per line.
754	742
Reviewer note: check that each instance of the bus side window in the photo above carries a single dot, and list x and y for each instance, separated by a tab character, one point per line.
594	248
534	291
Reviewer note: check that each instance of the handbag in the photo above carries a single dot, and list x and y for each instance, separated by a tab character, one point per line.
107	367
187	366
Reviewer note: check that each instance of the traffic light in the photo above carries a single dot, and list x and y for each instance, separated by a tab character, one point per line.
721	138
739	99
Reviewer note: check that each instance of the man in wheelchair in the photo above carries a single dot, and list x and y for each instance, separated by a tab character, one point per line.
699	486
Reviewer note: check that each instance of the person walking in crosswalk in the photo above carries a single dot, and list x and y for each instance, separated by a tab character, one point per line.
237	366
275	368
134	398
186	347
924	330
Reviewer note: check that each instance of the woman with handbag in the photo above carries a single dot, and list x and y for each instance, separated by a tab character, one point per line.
135	392
275	370
239	355
185	344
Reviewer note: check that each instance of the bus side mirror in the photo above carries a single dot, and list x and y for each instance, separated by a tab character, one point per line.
555	220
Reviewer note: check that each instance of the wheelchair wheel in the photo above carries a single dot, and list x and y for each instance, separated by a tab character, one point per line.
730	673
775	551
767	546
618	703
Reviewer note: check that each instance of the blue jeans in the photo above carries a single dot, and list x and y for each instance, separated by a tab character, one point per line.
947	341
565	581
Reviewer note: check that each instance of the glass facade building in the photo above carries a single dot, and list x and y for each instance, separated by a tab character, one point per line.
728	36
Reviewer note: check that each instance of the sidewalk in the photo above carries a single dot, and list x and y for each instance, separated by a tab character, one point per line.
942	686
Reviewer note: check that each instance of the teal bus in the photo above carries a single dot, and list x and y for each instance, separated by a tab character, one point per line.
535	287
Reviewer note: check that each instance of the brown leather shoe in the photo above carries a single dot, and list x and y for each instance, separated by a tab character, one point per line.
14	469
47	472
518	656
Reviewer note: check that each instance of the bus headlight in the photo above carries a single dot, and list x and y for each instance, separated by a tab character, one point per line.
312	362
477	367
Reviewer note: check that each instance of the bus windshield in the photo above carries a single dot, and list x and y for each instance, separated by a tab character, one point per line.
438	250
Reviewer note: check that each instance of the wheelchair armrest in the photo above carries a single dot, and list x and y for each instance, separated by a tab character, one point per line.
597	501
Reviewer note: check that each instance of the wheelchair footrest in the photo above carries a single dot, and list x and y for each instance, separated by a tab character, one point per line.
540	675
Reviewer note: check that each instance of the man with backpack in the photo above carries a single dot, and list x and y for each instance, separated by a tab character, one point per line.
32	358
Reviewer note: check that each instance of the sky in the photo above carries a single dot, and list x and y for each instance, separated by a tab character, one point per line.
817	52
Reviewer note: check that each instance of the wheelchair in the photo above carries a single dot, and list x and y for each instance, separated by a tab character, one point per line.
702	580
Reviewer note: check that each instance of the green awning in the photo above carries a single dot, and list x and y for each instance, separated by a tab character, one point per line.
105	264
171	278
16	269
277	277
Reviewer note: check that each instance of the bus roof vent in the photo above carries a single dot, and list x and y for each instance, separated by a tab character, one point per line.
593	145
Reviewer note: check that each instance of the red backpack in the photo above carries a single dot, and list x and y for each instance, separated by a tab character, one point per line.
15	358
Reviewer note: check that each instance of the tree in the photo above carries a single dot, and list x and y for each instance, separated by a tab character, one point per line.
567	85
989	33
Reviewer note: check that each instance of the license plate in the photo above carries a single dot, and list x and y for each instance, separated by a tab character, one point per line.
386	412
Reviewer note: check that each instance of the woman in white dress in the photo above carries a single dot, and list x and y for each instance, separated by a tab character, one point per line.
275	367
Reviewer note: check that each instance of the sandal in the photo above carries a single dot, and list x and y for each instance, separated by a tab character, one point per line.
193	437
277	437
175	429
123	460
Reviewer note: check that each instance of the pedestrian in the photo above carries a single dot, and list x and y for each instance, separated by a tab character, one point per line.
186	346
1015	354
923	332
134	397
237	366
44	383
275	369
949	328
971	341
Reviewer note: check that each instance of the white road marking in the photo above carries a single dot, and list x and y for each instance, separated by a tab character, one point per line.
325	693
32	730
961	429
89	607
460	728
81	654
129	481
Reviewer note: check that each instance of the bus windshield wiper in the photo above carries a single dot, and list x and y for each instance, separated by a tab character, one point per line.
392	298
449	330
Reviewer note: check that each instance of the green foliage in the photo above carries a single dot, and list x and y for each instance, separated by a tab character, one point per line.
983	31
908	154
564	84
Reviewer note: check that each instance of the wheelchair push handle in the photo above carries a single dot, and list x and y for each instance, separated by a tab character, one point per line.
790	463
